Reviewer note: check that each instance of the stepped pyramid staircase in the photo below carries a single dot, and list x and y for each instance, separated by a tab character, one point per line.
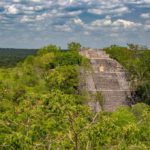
108	77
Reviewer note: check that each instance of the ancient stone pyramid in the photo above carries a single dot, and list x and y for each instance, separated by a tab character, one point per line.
108	77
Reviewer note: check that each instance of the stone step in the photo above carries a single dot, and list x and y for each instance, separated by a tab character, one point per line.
104	65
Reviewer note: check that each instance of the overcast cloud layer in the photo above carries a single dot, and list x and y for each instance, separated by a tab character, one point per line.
93	23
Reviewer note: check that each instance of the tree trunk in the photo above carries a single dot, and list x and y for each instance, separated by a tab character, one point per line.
77	142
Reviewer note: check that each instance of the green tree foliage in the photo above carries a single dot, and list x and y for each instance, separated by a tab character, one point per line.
132	46
73	46
47	49
67	58
40	109
63	78
137	62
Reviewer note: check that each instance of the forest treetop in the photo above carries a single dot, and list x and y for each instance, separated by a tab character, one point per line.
41	107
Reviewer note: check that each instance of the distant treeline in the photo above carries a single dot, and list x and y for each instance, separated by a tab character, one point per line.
9	57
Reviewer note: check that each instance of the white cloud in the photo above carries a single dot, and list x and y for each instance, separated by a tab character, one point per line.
96	11
115	25
26	19
121	10
63	28
86	33
106	10
74	13
145	15
147	27
78	21
103	22
42	16
57	14
36	0
125	23
12	9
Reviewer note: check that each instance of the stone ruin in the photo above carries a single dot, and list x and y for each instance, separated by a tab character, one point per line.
108	77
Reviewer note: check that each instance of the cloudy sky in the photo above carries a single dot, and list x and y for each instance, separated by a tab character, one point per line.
93	23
